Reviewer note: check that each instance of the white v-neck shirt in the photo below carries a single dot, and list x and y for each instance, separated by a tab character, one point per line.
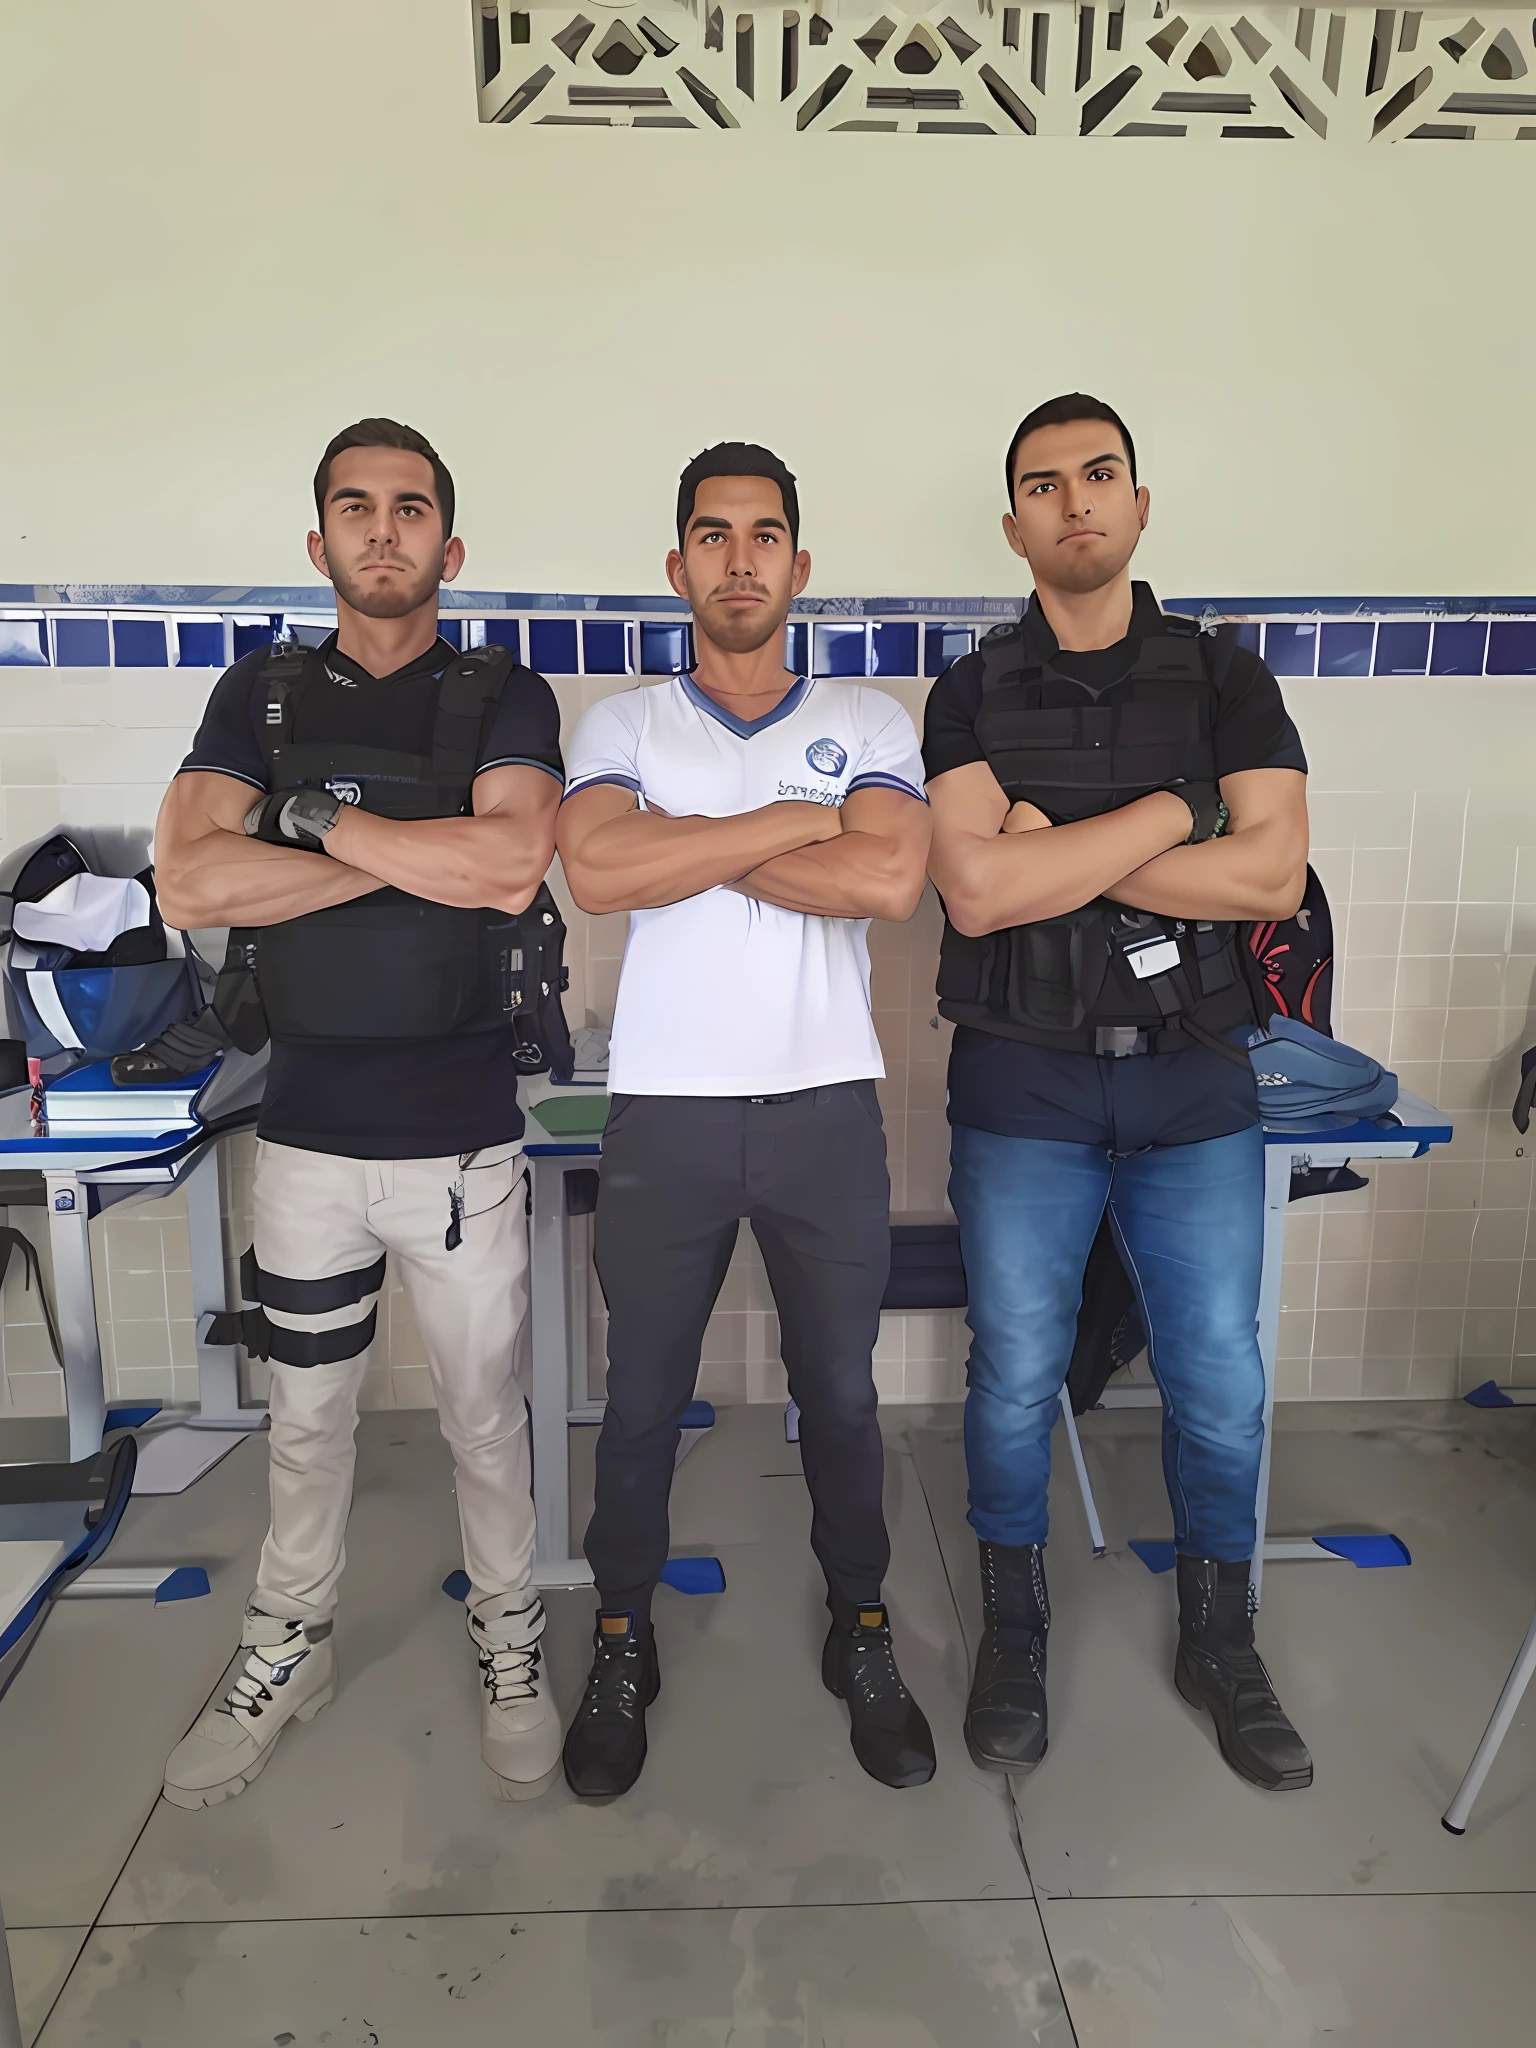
720	994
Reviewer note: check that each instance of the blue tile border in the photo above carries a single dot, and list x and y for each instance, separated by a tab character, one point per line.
196	626
257	597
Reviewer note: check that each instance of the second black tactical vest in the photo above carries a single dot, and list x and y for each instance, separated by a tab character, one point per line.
1074	753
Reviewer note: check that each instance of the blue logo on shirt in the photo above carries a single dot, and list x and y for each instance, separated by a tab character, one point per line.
827	757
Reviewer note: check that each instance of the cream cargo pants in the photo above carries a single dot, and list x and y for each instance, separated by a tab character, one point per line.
324	1225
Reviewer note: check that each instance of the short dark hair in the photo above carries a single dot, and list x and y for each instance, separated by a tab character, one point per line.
1061	412
736	458
385	434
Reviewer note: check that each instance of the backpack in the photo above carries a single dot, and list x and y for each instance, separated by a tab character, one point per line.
74	1006
1292	961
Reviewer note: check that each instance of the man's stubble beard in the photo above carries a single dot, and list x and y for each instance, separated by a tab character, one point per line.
736	633
388	597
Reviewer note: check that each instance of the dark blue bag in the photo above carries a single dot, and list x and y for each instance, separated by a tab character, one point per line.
1307	1080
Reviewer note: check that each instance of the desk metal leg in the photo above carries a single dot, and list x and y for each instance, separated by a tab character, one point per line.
1277	1194
69	1240
1080	1468
218	1365
1459	1812
549	1316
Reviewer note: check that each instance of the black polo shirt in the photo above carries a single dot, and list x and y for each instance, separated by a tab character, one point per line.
1025	1091
406	1098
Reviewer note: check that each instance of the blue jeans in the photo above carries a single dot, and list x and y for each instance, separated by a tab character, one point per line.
1189	1220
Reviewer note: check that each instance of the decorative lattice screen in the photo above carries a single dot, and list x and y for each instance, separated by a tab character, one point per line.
1145	68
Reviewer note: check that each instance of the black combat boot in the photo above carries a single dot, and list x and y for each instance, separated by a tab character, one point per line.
605	1744
1219	1669
890	1736
1005	1721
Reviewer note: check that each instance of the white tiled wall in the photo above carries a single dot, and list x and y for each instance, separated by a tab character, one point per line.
1424	830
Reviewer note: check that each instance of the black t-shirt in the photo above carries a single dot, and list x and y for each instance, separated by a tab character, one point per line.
406	1098
1002	1085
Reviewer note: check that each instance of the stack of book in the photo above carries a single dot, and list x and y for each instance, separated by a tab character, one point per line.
87	1099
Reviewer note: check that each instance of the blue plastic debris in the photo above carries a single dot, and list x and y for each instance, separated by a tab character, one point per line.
1157	1557
1489	1395
187	1582
456	1585
131	1418
1367	1553
694	1574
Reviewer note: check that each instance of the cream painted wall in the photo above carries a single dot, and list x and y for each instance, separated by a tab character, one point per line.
231	228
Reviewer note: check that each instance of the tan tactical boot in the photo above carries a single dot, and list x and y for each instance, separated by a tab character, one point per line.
289	1675
519	1726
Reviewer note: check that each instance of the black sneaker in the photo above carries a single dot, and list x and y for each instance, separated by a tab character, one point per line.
890	1736
184	1049
1219	1669
605	1744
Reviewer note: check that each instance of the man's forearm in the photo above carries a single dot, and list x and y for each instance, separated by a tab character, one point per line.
1251	874
468	862
225	878
857	875
643	859
1014	878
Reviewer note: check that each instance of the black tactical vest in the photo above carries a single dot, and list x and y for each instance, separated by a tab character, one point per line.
392	965
1051	741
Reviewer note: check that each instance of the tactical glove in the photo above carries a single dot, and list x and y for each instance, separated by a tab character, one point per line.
294	817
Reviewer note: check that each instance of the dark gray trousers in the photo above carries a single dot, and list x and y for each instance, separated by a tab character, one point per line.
679	1172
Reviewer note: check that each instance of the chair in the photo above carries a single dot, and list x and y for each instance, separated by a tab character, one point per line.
56	1520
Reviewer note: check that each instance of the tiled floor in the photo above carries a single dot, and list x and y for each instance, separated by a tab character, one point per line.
756	1889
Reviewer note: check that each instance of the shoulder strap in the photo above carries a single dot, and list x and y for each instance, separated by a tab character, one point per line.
468	693
1001	651
283	676
1218	648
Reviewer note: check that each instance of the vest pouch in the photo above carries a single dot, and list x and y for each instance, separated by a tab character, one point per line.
1056	969
1217	966
236	998
965	966
389	966
525	967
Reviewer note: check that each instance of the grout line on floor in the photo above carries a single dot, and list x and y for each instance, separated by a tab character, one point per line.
1015	1827
782	1906
1023	1899
116	1880
1164	1898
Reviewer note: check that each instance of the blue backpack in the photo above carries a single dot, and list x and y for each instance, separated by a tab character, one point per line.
1306	1079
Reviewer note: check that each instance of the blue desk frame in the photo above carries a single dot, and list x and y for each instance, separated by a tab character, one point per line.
1407	1133
85	1173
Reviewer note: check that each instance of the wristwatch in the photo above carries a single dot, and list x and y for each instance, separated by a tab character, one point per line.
1208	814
